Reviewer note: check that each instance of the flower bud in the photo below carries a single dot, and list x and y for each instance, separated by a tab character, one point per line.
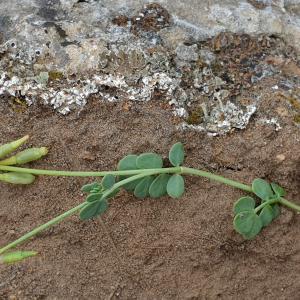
25	156
17	178
16	256
10	147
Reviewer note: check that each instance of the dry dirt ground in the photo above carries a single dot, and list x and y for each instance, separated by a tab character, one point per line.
153	249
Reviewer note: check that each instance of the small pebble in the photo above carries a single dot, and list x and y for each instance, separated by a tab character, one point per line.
280	157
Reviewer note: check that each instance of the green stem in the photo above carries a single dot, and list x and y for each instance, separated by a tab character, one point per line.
261	206
184	170
238	185
218	178
83	173
43	227
72	211
145	173
136	175
289	204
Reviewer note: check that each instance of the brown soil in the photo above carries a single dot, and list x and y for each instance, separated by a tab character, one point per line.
151	249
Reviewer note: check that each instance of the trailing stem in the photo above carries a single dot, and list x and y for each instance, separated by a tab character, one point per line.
145	176
138	174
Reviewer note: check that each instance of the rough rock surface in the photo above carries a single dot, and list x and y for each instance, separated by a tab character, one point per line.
62	51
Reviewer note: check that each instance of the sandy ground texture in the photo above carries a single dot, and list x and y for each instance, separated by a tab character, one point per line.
151	249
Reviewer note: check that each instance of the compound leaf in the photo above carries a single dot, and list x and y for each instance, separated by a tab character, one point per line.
243	204
158	188
279	191
142	188
262	189
248	224
176	154
149	161
266	215
175	186
108	181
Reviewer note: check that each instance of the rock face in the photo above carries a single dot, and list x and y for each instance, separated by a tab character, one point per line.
62	51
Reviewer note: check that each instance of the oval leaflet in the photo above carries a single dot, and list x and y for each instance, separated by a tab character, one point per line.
176	154
175	186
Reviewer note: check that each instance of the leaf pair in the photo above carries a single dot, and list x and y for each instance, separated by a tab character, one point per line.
142	161
248	221
266	191
161	185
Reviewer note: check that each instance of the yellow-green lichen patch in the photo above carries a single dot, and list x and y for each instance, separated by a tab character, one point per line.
196	116
55	75
294	102
297	119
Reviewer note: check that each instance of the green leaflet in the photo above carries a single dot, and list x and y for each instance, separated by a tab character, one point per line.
248	224
158	188
142	188
275	210
175	186
266	215
279	191
262	189
243	204
130	186
176	154
94	197
108	181
128	163
149	161
93	209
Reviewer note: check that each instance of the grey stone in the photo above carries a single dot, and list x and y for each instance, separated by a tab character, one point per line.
174	36
207	56
187	53
83	43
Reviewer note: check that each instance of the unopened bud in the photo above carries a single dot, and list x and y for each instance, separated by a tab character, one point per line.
25	156
17	178
12	146
16	256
